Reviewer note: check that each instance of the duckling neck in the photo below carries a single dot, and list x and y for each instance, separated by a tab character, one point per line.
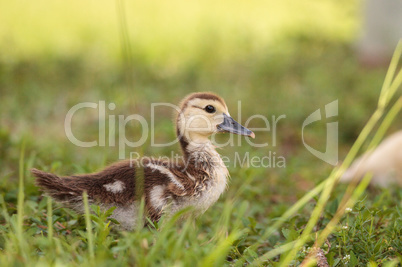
195	147
200	153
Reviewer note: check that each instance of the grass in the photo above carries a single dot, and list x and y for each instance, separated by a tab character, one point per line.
275	57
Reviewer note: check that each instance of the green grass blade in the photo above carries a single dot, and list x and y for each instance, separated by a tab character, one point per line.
4	210
386	123
49	220
88	227
20	205
348	202
217	257
390	74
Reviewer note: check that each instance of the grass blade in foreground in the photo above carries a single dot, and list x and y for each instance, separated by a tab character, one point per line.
89	228
20	208
387	93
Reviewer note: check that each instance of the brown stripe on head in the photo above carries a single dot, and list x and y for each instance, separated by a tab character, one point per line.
201	95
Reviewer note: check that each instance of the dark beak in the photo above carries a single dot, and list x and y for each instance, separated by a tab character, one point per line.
229	125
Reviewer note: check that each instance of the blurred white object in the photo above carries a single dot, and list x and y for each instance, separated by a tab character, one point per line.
385	163
381	31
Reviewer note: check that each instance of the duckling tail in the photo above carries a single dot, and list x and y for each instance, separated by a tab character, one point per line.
56	187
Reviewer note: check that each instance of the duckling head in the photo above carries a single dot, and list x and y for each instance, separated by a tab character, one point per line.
203	114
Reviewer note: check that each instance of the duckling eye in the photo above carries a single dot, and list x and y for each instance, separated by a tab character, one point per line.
210	109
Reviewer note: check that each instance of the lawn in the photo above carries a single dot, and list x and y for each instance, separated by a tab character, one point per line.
277	58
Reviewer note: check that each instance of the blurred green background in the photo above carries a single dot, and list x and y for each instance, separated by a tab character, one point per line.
276	57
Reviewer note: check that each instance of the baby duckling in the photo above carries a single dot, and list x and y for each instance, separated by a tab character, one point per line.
197	181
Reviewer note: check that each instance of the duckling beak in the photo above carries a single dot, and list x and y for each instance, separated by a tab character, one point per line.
229	125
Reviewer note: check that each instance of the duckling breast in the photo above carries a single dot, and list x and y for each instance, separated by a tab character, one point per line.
211	187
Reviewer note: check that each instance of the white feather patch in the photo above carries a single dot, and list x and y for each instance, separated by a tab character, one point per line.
166	172
156	197
127	216
116	187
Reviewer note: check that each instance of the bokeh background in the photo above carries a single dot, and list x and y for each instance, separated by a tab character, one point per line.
276	57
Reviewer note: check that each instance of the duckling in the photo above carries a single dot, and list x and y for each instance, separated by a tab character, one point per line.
385	163
198	180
